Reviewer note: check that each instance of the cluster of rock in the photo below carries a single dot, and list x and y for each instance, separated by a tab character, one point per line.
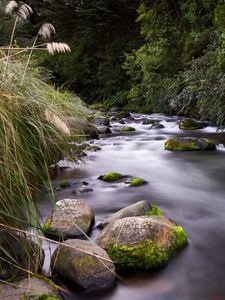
136	237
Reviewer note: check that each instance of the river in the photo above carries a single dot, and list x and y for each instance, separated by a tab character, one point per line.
189	187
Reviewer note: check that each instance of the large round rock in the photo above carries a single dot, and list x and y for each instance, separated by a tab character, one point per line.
70	218
142	242
85	263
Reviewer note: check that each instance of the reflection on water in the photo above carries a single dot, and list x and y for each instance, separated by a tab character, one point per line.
189	187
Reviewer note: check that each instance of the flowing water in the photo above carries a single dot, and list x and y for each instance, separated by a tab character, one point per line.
189	187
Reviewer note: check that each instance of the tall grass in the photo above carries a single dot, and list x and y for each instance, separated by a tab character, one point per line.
30	140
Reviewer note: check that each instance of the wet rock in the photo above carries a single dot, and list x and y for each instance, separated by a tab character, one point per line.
157	126
27	254
113	118
104	130
189	144
121	122
111	177
70	218
148	121
137	209
144	243
85	190
127	129
136	181
114	109
100	120
64	184
79	263
190	124
81	126
29	288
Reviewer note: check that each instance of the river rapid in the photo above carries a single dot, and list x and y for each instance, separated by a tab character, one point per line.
189	187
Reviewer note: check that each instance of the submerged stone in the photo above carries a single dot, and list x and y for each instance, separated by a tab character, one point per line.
111	177
84	263
189	144
157	126
190	124
127	129
144	243
136	181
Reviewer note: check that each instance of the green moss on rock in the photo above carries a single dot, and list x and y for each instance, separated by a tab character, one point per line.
181	237
127	129
154	211
189	124
189	144
64	184
111	177
144	256
137	181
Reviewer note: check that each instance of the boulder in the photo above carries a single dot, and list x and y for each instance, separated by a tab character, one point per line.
136	181
84	263
82	126
104	130
30	288
157	126
27	254
189	144
143	243
137	209
190	124
70	218
114	109
122	114
100	120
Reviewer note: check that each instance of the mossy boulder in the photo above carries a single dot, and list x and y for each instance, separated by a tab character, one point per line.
111	177
190	124
70	218
127	129
21	252
144	243
84	263
64	184
148	121
189	144
136	181
30	289
137	209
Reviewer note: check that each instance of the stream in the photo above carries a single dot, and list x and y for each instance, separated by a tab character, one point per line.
188	186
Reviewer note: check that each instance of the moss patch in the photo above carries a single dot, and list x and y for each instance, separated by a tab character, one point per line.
127	129
47	225
173	144
137	181
154	211
181	237
111	177
144	256
64	184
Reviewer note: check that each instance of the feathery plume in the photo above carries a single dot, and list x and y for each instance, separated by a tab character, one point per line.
46	30
10	7
24	12
54	47
57	122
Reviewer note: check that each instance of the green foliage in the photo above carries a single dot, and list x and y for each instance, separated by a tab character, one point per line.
44	297
154	211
